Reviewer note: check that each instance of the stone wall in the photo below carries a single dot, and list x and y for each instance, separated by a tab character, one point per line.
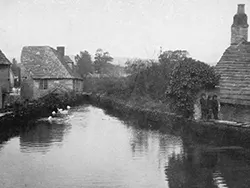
78	85
5	78
68	83
5	84
238	34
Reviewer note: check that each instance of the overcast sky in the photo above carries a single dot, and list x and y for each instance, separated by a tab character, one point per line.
125	28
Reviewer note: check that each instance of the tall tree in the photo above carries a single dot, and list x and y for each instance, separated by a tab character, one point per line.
101	59
84	63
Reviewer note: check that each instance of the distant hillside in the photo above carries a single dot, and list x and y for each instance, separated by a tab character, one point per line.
111	69
120	61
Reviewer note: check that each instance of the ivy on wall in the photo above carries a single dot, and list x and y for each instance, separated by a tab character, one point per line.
188	77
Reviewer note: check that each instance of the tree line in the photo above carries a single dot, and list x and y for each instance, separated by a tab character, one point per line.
174	79
100	64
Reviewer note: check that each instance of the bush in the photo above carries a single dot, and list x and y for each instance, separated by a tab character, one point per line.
45	105
175	74
109	85
187	79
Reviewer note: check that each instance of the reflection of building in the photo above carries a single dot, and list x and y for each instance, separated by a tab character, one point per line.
42	136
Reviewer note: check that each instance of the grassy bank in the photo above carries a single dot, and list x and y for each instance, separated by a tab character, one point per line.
153	111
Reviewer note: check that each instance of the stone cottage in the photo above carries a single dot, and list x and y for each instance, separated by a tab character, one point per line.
234	69
234	65
6	79
43	69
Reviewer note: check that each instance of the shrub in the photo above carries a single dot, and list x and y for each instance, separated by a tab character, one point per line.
188	78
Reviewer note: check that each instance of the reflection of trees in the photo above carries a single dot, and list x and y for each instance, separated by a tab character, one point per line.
193	169
145	142
42	136
139	141
9	128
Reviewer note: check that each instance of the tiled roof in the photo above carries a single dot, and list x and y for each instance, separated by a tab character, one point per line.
3	59
44	62
234	68
67	59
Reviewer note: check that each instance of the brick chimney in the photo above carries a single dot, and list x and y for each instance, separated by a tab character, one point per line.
241	9
239	28
61	51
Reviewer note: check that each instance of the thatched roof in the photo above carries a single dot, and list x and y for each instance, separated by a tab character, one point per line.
234	68
44	62
3	59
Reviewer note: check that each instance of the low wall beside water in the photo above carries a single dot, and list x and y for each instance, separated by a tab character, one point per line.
222	133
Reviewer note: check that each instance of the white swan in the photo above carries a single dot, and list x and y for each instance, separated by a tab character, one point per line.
64	112
50	118
59	109
53	113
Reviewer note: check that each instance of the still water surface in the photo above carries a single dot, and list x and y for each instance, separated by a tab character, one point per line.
90	148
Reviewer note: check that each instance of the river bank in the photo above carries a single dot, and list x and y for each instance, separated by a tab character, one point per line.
23	114
155	113
223	132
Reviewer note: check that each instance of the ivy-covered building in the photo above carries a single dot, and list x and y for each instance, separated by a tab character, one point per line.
234	65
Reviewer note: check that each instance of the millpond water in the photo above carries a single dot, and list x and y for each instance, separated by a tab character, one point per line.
92	148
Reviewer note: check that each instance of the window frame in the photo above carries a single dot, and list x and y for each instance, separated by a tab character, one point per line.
43	84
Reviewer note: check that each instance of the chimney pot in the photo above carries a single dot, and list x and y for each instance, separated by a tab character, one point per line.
241	9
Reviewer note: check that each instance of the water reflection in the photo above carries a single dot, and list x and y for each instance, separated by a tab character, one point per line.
42	136
208	166
93	149
219	180
194	168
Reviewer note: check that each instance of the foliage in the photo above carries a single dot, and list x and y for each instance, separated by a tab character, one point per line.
101	58
175	80
173	56
44	106
17	72
188	78
84	63
118	86
136	65
149	77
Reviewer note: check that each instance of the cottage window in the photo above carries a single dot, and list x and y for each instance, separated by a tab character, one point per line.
76	85
43	84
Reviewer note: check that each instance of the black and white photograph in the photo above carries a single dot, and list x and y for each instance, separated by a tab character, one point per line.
124	94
